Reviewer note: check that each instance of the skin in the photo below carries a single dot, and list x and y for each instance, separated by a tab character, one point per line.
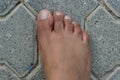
63	46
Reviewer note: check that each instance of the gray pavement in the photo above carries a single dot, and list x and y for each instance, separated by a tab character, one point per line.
19	59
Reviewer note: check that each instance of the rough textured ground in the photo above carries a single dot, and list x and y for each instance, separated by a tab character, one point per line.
19	59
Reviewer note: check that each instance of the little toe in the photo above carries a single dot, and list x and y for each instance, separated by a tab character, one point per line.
86	38
68	24
77	29
58	21
44	21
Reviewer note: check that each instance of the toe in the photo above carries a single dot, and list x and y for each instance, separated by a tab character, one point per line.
82	33
77	29
86	38
68	24
58	21
44	21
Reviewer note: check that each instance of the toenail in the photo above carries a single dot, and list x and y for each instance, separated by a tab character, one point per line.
58	13
67	17
43	15
74	22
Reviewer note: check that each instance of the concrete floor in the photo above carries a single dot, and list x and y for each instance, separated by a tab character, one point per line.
19	59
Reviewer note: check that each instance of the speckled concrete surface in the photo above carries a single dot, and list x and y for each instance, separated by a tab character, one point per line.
6	6
19	59
105	41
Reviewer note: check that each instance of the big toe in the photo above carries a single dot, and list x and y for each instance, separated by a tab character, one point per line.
44	21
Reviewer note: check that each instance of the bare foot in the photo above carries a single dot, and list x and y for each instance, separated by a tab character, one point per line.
64	47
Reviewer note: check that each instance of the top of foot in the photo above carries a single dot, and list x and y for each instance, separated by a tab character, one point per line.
64	47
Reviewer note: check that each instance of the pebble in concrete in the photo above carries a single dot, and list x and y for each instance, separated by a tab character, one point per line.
115	75
17	40
6	6
7	74
114	5
104	31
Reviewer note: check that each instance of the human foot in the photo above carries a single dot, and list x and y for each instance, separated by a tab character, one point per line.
64	47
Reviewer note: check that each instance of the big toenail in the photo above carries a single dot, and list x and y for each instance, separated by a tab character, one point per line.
43	15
